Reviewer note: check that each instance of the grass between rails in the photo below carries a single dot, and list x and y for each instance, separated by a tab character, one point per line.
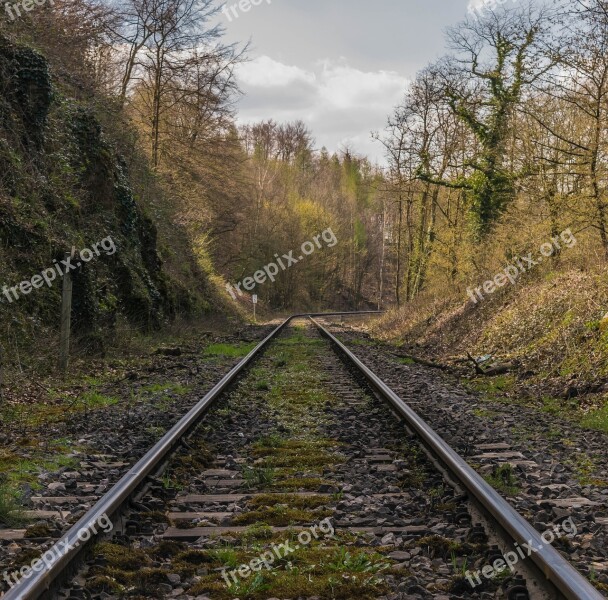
327	569
295	456
298	454
300	457
337	571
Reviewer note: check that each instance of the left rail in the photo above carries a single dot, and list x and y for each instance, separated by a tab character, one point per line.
70	546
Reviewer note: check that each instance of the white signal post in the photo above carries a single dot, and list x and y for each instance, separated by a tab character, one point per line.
254	298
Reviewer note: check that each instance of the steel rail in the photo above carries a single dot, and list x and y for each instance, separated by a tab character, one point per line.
67	549
558	571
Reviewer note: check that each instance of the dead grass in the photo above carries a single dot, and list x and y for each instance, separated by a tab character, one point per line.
549	323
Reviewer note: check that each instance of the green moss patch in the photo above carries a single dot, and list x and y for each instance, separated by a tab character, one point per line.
313	570
21	467
229	350
293	500
11	507
281	515
596	419
504	480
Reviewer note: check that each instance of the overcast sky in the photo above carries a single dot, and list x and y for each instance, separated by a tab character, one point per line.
339	65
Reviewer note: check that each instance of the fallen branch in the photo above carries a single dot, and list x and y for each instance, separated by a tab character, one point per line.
500	369
491	371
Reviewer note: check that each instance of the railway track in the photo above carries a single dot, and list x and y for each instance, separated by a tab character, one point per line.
307	477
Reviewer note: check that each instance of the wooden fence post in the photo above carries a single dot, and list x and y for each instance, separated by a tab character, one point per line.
66	318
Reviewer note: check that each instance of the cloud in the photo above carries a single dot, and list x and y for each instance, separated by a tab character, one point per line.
476	6
340	104
345	87
266	72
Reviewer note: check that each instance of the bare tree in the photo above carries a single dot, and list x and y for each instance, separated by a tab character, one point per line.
578	95
497	58
422	137
173	56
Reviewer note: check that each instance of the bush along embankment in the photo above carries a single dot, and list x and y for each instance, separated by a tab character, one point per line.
64	185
